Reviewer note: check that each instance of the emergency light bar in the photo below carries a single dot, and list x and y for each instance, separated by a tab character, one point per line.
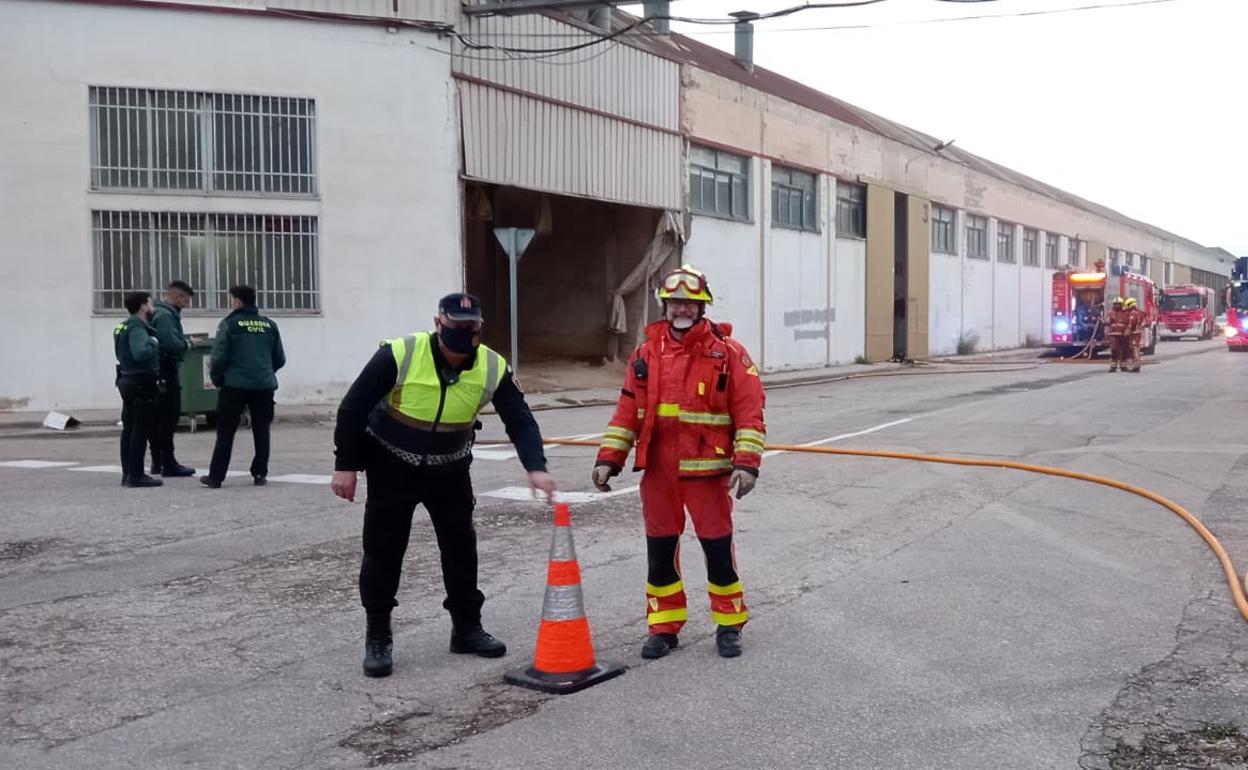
1087	277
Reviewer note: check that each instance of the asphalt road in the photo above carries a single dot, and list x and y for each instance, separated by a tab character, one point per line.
905	615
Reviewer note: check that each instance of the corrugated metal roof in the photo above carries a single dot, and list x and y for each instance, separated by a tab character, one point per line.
706	57
514	139
405	10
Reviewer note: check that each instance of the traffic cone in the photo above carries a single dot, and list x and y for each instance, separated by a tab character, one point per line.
564	660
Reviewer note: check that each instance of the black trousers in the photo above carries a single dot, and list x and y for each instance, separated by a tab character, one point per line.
168	412
395	488
138	420
230	405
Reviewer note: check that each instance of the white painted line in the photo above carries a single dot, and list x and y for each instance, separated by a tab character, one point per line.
97	469
493	454
524	494
228	474
844	436
33	464
303	478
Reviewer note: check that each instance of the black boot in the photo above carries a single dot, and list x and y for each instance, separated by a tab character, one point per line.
143	481
658	645
378	644
473	640
174	469
728	641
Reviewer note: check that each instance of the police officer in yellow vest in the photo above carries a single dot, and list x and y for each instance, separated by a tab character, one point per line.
408	422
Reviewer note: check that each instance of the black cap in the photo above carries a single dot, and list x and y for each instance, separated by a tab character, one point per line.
461	307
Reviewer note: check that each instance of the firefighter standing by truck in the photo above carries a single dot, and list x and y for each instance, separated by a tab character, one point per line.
692	403
1116	332
1135	334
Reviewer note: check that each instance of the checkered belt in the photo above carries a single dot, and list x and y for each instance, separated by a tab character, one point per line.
422	460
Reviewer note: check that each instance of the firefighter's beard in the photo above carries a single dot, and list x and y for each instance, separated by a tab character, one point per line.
683	324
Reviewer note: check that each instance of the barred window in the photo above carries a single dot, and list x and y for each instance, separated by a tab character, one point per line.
1050	250
1031	253
942	230
145	250
149	140
851	210
718	183
1072	253
976	237
1005	242
793	199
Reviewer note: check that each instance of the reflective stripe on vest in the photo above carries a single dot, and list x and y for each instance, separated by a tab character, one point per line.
417	391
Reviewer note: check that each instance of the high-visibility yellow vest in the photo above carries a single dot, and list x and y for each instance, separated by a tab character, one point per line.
417	397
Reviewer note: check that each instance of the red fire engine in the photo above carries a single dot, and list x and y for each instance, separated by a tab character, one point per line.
1187	311
1237	307
1081	300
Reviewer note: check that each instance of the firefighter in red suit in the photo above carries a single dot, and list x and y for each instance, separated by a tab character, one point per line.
1117	335
692	405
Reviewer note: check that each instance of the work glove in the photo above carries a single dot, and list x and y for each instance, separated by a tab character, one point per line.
601	474
742	481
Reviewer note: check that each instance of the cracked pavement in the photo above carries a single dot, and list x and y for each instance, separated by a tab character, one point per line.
904	614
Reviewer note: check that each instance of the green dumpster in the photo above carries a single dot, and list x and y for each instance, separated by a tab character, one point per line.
199	396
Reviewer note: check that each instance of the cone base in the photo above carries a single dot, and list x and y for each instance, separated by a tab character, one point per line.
563	684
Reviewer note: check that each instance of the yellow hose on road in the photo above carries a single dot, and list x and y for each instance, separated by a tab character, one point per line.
1232	577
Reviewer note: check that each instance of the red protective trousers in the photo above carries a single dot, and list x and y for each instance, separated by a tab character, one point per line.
665	497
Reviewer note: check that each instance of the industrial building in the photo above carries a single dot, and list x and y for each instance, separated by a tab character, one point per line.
352	159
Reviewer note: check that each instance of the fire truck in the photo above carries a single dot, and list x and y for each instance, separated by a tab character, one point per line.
1082	300
1187	311
1237	307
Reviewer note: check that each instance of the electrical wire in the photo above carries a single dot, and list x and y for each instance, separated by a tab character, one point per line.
647	33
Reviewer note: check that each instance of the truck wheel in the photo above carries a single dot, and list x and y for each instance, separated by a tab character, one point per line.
1151	348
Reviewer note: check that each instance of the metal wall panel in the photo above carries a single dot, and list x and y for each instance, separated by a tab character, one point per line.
609	77
408	10
525	142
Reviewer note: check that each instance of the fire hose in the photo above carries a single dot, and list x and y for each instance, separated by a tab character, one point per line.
1232	578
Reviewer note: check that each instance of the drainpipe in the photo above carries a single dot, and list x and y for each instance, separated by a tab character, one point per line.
745	38
601	18
661	25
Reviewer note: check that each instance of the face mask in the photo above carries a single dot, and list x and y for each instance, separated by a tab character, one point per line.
459	340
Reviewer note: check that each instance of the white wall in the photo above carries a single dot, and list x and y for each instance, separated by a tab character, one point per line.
849	332
728	252
1033	301
388	164
796	299
945	304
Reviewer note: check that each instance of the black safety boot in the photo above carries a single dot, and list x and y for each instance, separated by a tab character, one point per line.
728	641
175	469
473	640
143	481
658	645
209	482
259	481
378	644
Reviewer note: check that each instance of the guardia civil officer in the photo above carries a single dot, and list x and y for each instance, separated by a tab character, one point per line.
408	421
138	382
246	355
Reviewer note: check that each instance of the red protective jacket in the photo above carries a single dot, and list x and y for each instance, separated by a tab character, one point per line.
717	402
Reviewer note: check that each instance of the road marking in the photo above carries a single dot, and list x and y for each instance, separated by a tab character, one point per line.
34	464
524	494
302	478
97	469
843	436
502	453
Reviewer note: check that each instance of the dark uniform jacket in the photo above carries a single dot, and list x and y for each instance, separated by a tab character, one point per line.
247	351
134	341
167	320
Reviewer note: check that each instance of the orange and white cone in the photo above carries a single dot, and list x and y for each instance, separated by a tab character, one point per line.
564	660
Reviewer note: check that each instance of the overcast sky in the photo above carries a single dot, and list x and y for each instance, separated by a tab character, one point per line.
1142	108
